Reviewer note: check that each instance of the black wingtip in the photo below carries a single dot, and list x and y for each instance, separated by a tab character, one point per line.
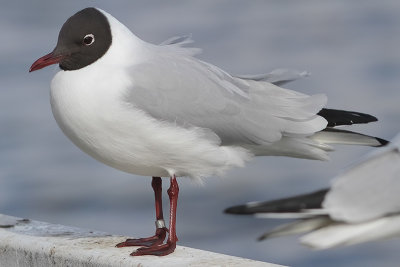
291	204
337	117
382	142
241	209
261	238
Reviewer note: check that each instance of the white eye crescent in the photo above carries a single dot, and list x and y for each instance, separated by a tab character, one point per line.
88	39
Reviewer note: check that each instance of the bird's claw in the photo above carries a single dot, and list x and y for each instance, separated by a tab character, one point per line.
154	240
156	250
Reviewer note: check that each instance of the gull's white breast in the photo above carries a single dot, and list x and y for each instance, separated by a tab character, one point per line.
89	110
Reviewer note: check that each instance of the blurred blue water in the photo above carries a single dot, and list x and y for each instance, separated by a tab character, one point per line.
350	47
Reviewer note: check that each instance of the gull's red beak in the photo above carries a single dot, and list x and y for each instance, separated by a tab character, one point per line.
45	61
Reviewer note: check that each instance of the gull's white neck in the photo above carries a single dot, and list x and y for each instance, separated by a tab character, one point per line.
126	48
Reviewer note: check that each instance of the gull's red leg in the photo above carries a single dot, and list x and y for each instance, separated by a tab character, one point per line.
169	247
161	230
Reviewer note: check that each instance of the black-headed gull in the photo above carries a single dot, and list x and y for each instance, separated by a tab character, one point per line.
155	110
363	204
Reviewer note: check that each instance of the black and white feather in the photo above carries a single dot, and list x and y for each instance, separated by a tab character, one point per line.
363	204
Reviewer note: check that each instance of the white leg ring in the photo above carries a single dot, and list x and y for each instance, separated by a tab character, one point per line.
160	224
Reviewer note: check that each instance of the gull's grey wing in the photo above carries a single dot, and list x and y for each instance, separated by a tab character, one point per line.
369	189
278	77
177	43
177	88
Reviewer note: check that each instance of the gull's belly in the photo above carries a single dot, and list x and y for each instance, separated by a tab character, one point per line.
100	125
109	143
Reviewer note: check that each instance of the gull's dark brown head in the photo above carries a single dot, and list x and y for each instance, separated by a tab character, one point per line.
84	38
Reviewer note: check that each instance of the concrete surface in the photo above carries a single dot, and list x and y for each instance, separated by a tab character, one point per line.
30	243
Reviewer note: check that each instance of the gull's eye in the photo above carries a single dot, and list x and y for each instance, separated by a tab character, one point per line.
88	39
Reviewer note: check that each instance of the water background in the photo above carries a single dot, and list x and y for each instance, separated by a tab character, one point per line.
351	49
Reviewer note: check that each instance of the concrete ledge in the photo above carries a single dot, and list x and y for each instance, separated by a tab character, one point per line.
32	243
